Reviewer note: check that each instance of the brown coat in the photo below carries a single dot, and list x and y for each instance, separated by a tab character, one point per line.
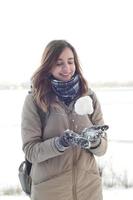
71	175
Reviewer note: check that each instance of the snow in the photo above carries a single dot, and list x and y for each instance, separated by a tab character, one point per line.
117	106
84	106
116	194
108	194
14	197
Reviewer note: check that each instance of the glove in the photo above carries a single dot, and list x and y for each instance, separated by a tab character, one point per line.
94	134
70	138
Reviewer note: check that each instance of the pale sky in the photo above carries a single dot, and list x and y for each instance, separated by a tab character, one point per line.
100	30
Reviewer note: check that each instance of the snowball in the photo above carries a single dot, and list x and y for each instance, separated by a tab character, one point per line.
84	106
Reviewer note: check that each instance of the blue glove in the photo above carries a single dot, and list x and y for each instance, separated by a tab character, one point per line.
94	134
70	138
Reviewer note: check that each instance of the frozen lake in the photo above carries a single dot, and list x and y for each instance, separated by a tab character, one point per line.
117	106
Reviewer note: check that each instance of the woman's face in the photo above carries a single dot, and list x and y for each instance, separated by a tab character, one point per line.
64	68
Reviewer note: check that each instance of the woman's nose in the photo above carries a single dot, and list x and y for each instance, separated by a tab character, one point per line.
65	67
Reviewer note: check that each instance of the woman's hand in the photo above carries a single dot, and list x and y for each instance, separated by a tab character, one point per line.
70	138
94	134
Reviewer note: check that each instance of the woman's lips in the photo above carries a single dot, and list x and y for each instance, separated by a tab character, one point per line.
66	74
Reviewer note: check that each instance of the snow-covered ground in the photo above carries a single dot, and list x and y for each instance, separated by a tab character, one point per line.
115	194
117	106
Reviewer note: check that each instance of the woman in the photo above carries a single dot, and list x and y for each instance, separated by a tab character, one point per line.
60	169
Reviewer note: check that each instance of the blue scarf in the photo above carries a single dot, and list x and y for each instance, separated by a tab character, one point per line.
66	91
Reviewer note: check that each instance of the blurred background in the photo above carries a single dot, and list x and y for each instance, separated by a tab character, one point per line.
101	31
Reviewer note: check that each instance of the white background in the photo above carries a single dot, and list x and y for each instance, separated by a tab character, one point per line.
100	30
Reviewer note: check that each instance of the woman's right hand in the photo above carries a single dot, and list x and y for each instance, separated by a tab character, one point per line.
70	138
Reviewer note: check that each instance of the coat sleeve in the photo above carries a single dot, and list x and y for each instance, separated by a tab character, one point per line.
35	149
97	119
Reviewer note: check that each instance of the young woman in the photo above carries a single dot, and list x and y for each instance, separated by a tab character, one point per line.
60	169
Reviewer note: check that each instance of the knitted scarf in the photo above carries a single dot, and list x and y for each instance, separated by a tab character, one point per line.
66	90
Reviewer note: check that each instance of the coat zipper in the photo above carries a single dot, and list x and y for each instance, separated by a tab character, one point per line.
71	125
74	170
74	175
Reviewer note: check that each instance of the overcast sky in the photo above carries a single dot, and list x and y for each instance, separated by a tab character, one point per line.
100	30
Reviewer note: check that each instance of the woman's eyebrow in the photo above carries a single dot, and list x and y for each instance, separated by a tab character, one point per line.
60	59
71	58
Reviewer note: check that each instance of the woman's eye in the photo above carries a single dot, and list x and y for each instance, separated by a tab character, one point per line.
59	64
70	63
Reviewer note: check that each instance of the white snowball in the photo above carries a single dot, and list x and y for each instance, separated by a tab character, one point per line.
84	106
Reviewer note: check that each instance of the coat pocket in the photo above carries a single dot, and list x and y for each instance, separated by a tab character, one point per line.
89	185
58	187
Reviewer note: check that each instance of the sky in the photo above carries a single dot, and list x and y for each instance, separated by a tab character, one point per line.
100	30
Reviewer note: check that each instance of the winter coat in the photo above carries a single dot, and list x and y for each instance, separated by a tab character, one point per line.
69	175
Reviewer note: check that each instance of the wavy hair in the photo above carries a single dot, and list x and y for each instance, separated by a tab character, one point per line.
41	85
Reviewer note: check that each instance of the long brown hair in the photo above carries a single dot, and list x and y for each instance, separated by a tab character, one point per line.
41	85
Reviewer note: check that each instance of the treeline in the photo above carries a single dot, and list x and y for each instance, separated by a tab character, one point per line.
26	85
113	84
14	86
